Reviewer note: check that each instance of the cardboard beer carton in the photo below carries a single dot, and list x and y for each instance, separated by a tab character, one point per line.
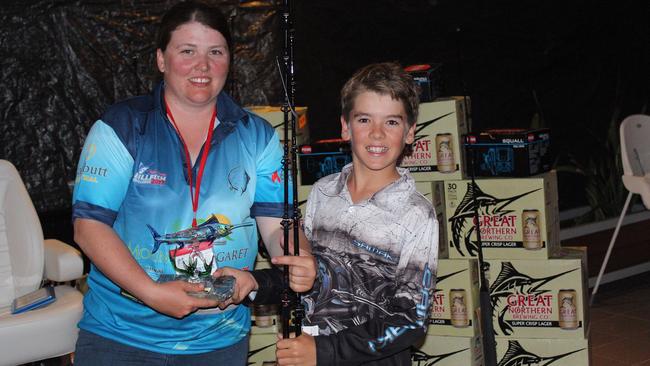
455	303
510	152
275	117
262	262
448	351
261	347
433	192
319	160
558	352
436	153
518	217
428	77
540	298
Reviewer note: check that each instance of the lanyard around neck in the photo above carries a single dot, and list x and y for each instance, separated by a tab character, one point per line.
194	191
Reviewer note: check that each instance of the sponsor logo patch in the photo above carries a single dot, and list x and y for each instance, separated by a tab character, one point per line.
147	175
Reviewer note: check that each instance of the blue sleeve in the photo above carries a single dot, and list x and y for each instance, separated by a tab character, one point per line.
269	190
103	175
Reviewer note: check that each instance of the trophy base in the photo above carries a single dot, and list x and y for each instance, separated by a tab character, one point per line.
219	289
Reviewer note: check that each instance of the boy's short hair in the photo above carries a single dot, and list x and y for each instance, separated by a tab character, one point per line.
386	78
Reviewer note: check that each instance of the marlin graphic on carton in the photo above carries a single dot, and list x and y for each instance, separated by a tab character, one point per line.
418	357
208	231
462	222
511	281
516	355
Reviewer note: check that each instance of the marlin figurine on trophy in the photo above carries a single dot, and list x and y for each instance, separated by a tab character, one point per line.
192	258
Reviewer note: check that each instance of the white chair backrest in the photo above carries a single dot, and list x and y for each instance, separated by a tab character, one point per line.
21	238
635	144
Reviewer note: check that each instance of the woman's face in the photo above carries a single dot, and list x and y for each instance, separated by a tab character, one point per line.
195	64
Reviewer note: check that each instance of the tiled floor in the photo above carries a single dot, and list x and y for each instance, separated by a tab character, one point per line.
620	323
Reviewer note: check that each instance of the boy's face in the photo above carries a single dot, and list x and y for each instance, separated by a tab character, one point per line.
377	131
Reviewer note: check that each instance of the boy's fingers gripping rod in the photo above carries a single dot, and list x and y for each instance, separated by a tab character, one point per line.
290	220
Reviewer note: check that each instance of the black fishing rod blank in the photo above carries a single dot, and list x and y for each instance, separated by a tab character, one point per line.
487	327
291	218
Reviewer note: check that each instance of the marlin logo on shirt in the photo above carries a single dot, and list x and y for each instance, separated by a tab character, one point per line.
208	231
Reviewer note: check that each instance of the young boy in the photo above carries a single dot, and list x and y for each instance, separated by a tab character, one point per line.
374	236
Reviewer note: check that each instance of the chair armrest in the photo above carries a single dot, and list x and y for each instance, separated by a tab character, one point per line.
62	262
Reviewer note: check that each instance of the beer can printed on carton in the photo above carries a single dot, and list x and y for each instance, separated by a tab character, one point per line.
455	300
435	152
532	238
445	153
568	309
458	308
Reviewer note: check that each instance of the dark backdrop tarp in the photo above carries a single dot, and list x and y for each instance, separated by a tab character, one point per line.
64	62
576	64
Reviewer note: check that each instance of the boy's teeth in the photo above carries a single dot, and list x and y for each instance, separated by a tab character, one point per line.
376	149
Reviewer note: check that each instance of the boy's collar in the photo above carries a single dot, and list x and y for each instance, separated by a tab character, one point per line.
402	186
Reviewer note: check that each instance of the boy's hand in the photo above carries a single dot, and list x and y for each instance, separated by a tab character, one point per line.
244	284
296	351
302	270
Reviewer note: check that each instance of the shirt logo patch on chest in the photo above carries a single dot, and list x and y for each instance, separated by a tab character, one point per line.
373	250
238	180
148	175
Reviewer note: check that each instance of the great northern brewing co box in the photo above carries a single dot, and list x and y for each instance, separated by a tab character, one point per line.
539	298
275	117
433	192
518	217
261	346
555	352
436	152
455	299
448	351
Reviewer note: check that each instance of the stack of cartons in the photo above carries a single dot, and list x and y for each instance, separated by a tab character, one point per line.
261	345
453	335
538	291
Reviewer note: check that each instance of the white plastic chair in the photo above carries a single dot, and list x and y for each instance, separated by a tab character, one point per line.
635	154
25	260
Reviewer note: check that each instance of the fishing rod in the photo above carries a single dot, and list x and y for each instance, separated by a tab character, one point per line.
290	219
487	327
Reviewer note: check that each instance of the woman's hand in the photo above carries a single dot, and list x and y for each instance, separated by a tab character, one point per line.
172	298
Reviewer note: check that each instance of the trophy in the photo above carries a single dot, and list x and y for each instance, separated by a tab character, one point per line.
192	258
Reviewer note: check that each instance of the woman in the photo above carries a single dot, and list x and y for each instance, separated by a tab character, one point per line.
142	167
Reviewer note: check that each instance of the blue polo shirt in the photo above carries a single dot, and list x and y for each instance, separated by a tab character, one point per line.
132	173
